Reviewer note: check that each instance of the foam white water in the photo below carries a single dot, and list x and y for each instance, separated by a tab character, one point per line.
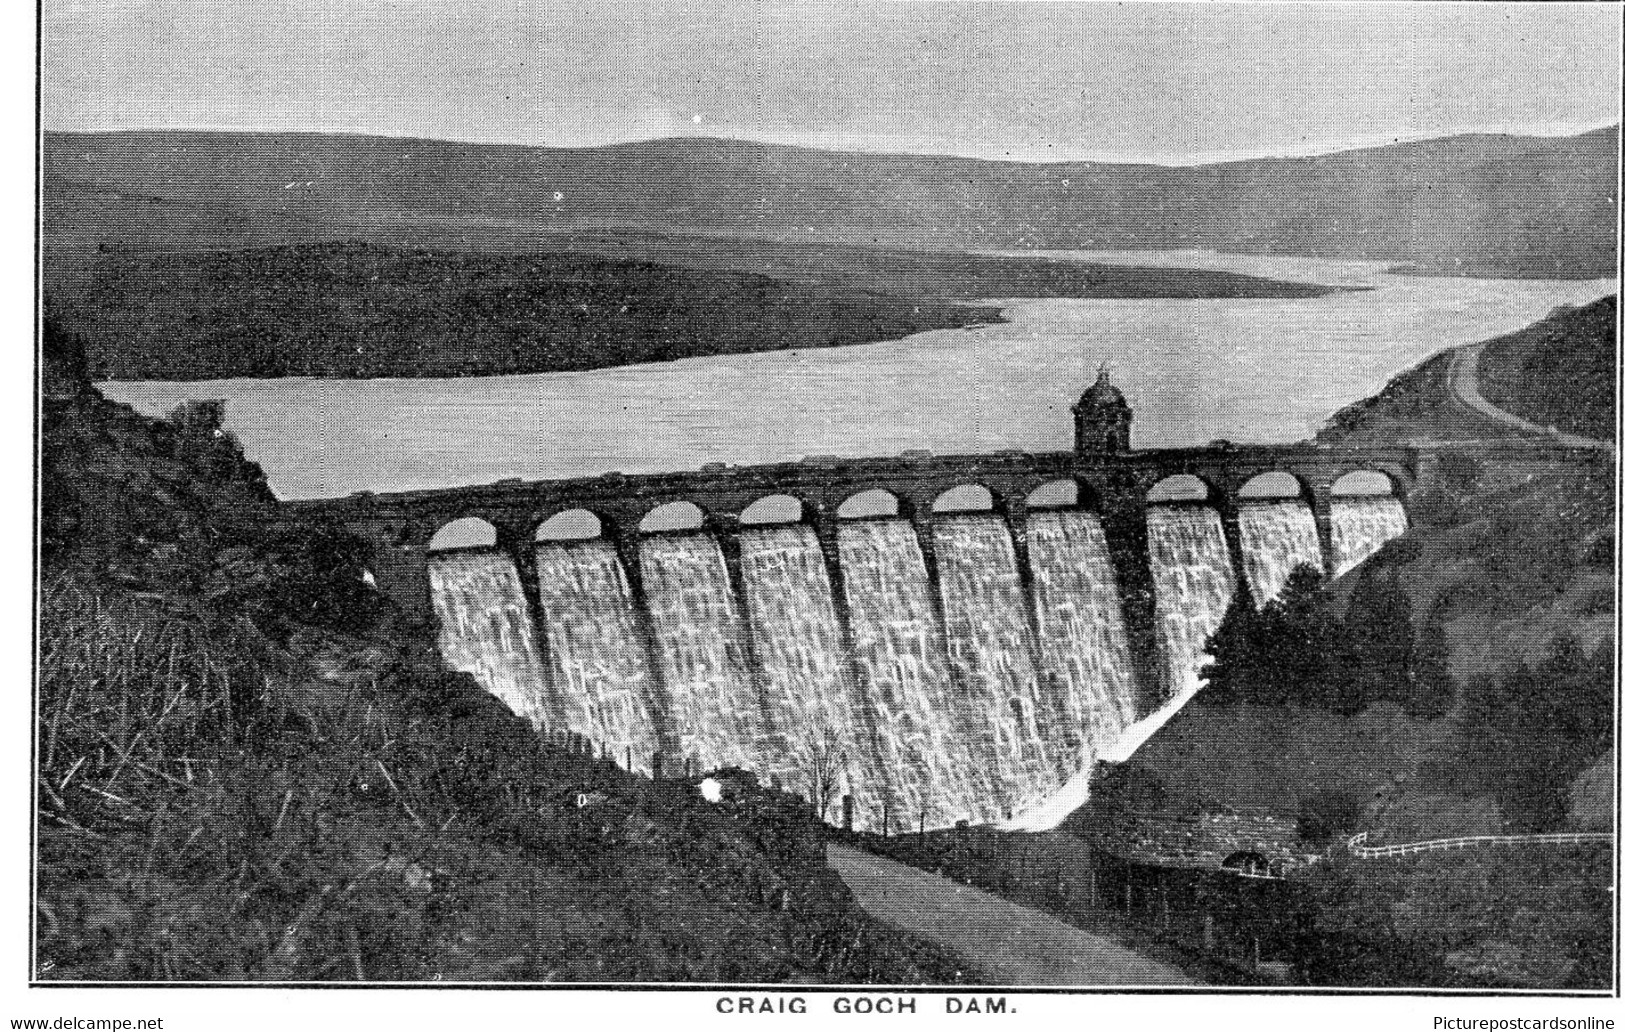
1193	584
1360	526
596	652
1003	719
1277	537
486	630
905	691
713	714
808	719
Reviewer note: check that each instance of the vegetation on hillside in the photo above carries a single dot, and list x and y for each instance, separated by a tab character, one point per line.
1561	372
250	767
1299	651
354	310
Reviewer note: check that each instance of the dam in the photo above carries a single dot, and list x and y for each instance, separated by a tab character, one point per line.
911	641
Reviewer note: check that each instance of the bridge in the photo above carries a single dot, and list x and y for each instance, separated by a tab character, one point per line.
1102	474
1119	487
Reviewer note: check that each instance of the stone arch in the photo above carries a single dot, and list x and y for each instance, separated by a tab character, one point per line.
673	517
870	504
1182	488
571	525
1277	485
965	498
1064	493
1247	861
464	532
1366	483
772	509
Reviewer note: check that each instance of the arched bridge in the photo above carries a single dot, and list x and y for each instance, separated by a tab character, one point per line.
822	492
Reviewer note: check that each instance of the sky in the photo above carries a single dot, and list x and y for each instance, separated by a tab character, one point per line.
1176	83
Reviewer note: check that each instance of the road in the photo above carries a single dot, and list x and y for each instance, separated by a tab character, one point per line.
1013	944
1464	385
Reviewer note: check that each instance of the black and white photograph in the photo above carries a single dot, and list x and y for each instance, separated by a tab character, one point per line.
917	509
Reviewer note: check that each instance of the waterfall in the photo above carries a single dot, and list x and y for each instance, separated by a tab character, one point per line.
1007	723
1277	537
1083	649
905	699
1193	584
947	707
1360	526
808	719
712	712
486	630
597	653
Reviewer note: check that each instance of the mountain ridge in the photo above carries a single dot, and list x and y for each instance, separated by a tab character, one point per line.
1533	206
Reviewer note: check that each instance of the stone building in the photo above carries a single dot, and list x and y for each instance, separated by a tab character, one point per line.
1101	419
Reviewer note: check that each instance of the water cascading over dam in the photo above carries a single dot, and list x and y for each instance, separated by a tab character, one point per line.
712	711
1277	537
1083	654
597	654
1193	583
943	684
904	686
1360	526
486	630
990	650
807	701
943	656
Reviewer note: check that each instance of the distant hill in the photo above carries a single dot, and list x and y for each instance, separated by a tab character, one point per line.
1477	204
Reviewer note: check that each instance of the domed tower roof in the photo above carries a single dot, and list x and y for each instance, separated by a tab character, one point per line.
1101	394
1102	418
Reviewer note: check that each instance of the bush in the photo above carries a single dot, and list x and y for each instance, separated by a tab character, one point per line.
1327	814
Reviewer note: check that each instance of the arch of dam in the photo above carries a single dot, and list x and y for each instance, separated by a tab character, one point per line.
913	640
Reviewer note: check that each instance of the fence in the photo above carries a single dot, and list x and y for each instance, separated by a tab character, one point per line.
1360	851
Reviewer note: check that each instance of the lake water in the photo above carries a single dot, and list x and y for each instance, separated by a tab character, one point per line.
1245	370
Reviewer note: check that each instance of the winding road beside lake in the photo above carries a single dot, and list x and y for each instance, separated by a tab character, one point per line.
1464	385
1015	945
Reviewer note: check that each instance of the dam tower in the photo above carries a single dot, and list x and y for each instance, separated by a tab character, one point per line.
1102	418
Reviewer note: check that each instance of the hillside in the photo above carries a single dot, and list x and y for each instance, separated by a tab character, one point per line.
1560	371
1509	579
354	310
251	768
1478	204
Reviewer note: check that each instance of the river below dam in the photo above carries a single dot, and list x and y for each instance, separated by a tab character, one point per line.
1264	370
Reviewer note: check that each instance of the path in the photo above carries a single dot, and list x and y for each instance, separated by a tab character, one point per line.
1464	385
1013	944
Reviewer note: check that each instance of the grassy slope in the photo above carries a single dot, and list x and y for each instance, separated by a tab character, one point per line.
357	310
347	309
1519	204
250	770
1559	372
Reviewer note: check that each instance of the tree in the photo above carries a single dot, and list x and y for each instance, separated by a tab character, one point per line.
1125	789
1432	687
1328	813
827	763
1375	662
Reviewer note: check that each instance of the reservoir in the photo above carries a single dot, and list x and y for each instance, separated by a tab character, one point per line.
1253	370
